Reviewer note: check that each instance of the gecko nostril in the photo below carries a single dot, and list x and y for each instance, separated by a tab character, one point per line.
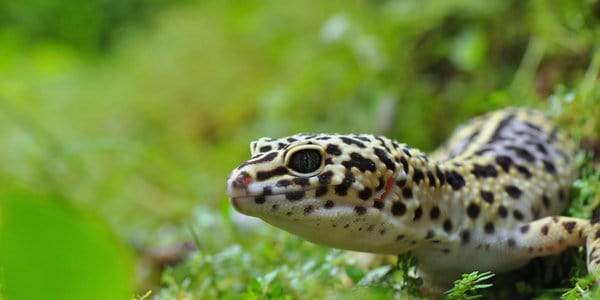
242	180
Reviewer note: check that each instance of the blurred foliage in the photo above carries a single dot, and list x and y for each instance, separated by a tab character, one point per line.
90	26
135	111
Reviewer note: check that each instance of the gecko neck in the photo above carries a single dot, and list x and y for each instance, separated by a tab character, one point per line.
416	170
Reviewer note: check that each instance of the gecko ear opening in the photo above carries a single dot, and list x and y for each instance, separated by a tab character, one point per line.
401	175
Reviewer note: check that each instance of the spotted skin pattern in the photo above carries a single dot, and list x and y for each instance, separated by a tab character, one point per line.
488	199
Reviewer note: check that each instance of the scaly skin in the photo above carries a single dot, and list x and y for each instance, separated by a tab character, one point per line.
487	200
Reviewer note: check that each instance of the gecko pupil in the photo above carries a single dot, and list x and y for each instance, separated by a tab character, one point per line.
305	161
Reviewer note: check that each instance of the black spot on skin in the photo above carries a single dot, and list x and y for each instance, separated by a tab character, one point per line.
264	175
265	148
455	180
431	178
473	210
283	183
545	230
522	153
398	208
280	146
482	151
418	176
293	196
328	161
349	141
267	190
385	159
465	236
561	195
504	161
489	228
268	157
302	181
323	138
401	183
407	152
513	191
430	234
549	167
546	201
592	255
362	138
325	178
291	140
328	204
518	215
342	188
274	207
365	194
532	126
440	175
484	171
524	229
496	136
418	213
487	196
259	199
360	210
333	150
359	162
524	171
380	185
502	211
404	164
320	191
308	209
541	148
407	193
378	204
473	136
399	237
434	213
447	226
569	226
382	143
511	242
289	213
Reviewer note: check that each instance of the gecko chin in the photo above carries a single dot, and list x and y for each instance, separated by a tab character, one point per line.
338	226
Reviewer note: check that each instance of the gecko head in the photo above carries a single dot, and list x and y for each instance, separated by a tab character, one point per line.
307	182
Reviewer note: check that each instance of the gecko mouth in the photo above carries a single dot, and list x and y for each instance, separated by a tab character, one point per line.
293	195
248	203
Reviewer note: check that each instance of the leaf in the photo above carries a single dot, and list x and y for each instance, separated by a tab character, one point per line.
49	251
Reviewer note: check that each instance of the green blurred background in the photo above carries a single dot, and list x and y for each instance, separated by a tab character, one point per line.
120	120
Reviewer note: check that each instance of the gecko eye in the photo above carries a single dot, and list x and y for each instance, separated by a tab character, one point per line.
306	160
